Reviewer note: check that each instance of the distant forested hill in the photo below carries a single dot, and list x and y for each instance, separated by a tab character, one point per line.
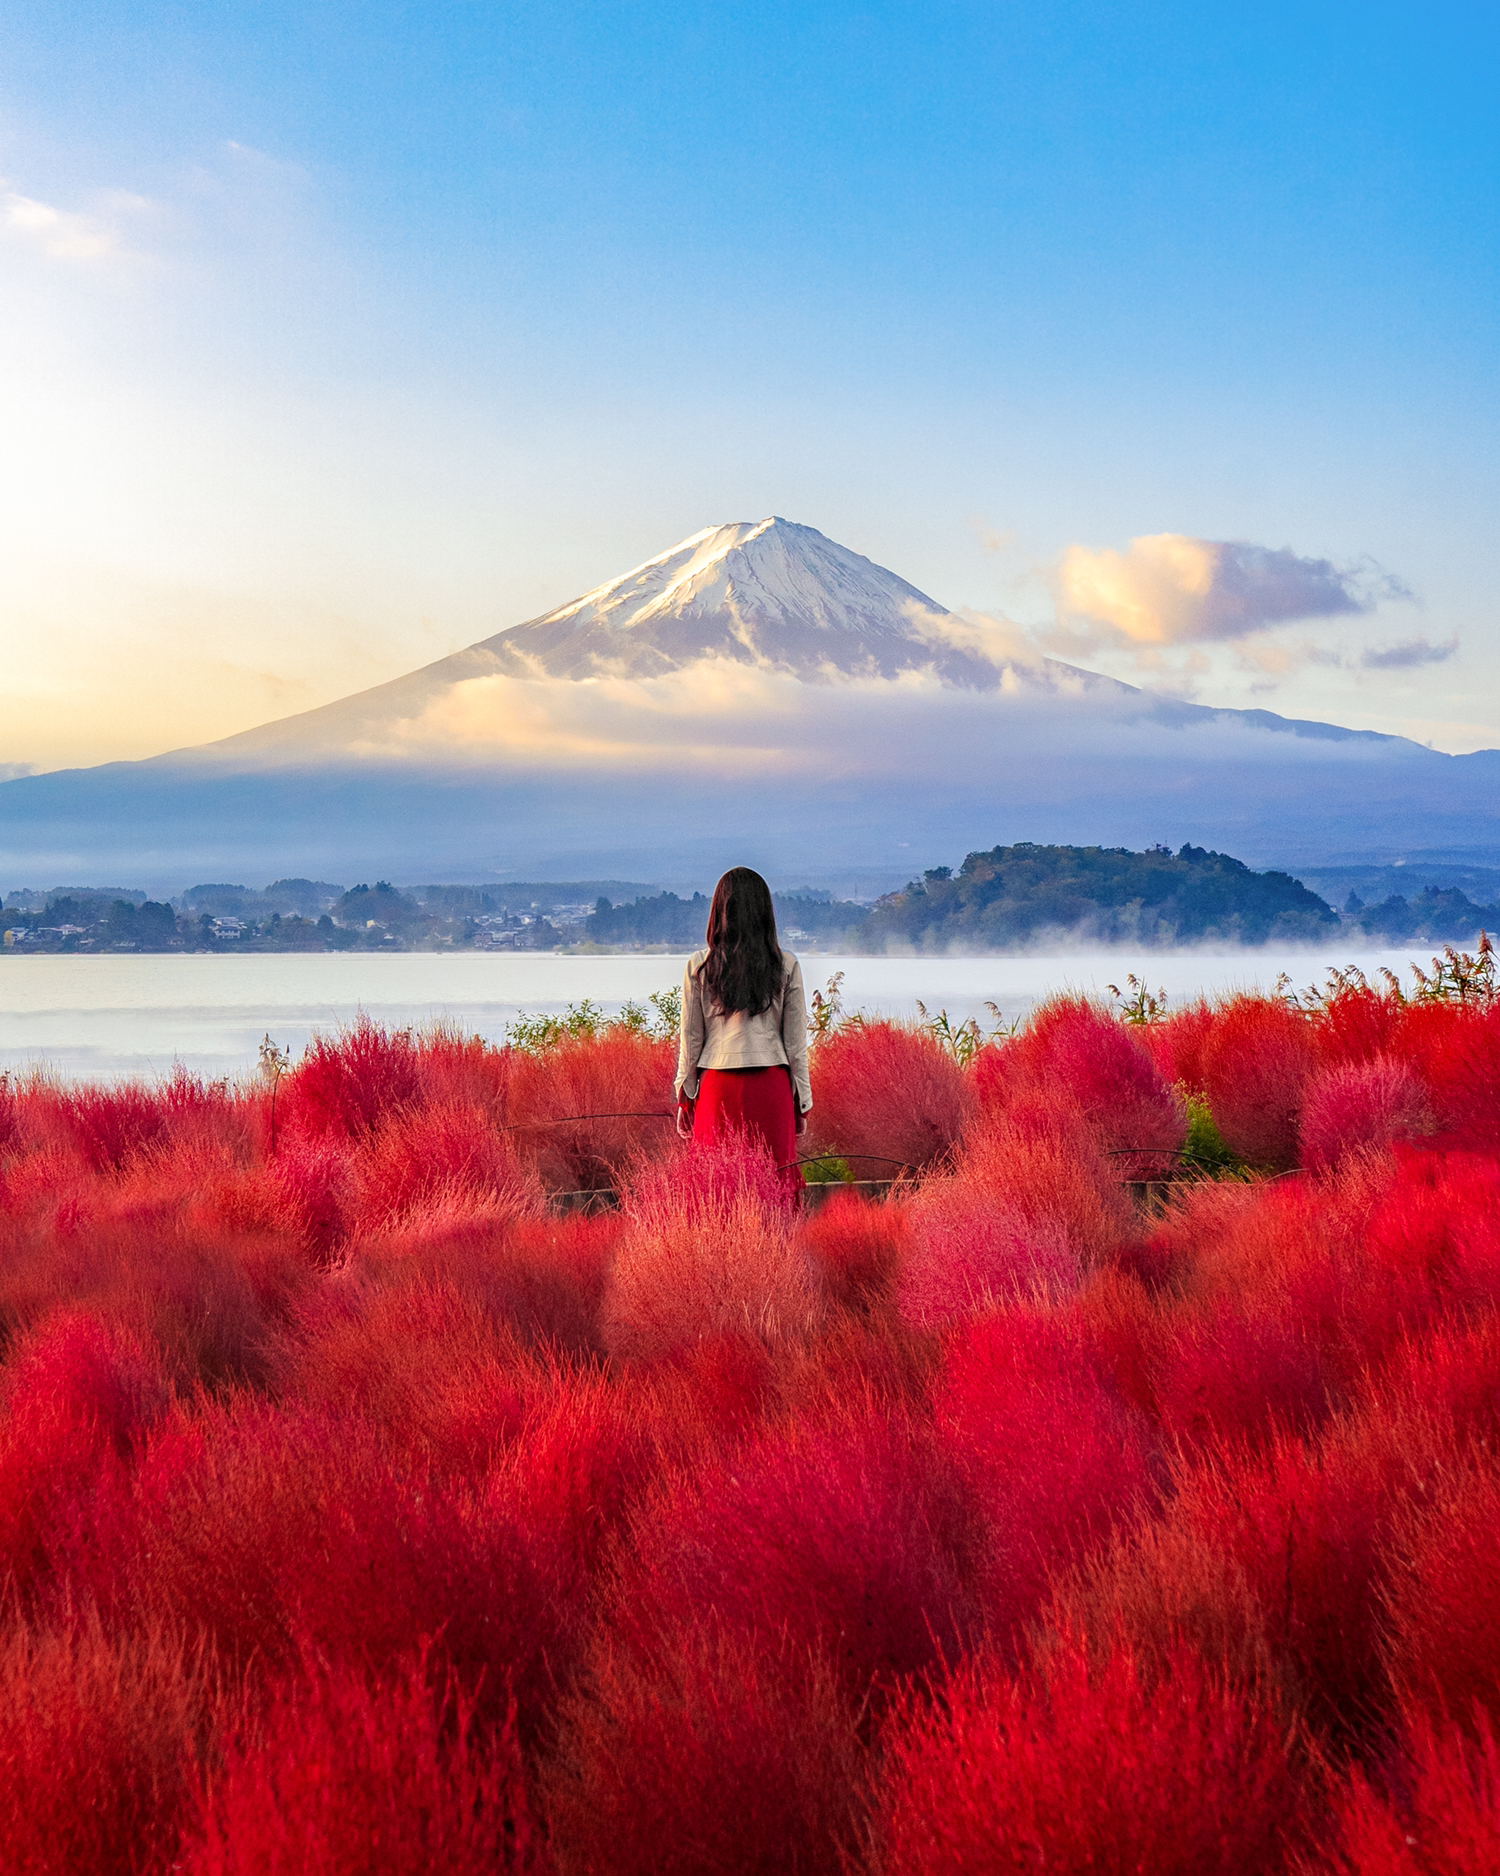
1434	917
1018	895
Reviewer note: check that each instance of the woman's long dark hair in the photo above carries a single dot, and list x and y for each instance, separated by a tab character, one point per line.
743	969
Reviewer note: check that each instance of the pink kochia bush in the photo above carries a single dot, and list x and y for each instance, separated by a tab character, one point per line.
361	1509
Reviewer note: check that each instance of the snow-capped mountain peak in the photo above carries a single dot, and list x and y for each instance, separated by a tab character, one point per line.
771	593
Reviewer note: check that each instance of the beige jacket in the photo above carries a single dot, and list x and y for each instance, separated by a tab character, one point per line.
709	1039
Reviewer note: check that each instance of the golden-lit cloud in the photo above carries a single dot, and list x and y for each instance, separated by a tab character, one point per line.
716	717
717	711
1175	589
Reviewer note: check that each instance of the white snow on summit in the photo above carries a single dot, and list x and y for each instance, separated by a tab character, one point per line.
770	593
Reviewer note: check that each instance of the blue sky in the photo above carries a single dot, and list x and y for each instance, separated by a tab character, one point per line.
336	338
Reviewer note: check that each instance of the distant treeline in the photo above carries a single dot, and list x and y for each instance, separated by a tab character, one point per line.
1026	894
305	915
289	915
1005	899
315	915
680	924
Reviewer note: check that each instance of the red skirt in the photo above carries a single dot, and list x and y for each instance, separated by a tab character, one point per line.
758	1102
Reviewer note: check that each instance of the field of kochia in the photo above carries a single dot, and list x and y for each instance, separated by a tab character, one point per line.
359	1512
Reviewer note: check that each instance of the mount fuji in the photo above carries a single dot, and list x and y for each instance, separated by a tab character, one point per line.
770	597
757	692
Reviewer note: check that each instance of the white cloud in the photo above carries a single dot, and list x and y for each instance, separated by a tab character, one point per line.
997	640
62	234
1175	589
238	201
717	717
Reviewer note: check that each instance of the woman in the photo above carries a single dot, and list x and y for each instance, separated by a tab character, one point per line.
742	1059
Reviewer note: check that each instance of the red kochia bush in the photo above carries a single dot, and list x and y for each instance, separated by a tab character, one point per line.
1237	1374
1445	1646
996	1526
887	1091
1452	1374
1089	1766
96	1753
1278	1564
309	1186
1462	1065
344	1084
1177	1045
1358	1025
1255	1069
619	1082
1072	1052
422	1360
110	1125
845	1533
440	1163
1276	1306
857	1248
716	1751
1437	1815
970	1250
1032	1204
1437	1227
547	1275
1306	1528
270	1533
340	1775
77	1398
1051	1454
1043	1165
1359	1106
708	1249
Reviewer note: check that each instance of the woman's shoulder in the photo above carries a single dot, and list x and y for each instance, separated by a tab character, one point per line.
696	962
789	966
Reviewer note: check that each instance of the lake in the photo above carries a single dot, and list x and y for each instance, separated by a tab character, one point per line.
123	1015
